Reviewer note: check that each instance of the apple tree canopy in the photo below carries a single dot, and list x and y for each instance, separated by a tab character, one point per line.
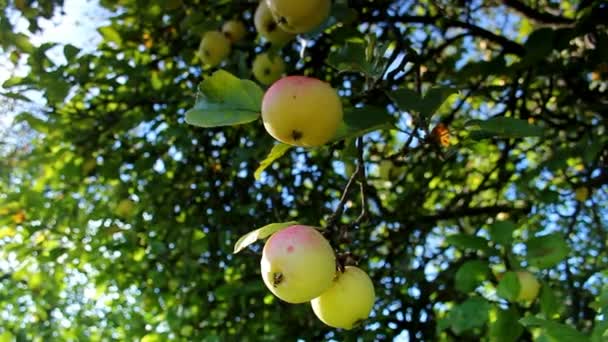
137	185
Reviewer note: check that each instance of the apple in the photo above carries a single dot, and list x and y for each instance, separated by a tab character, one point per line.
348	302
125	208
581	194
267	26
299	16
298	264
267	69
234	30
529	286
214	48
301	111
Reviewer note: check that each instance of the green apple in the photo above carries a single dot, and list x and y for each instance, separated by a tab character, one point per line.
298	264
581	194
299	16
214	48
348	302
267	26
301	111
267	69
234	30
125	208
529	286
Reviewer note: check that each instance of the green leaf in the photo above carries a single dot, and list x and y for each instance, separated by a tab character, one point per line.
546	251
34	122
13	81
600	331
7	337
473	313
509	287
501	126
110	34
506	328
226	100
70	51
406	100
465	241
539	44
501	232
549	304
57	90
409	101
434	98
260	233
23	43
558	331
357	56
359	121
471	274
277	152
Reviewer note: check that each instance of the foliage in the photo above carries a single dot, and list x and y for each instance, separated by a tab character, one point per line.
520	86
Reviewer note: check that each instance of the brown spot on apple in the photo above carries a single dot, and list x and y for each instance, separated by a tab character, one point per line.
296	135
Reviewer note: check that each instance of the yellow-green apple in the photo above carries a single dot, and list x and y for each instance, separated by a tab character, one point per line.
299	16
125	208
528	286
301	111
298	264
234	30
214	48
267	26
581	194
348	302
268	68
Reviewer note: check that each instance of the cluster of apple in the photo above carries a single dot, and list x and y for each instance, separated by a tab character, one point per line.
298	265
216	45
278	22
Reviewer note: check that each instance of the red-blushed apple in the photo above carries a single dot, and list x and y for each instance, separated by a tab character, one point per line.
267	69
348	302
529	286
299	16
302	111
234	30
214	48
268	28
298	264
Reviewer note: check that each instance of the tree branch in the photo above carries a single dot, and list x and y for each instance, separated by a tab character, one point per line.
540	17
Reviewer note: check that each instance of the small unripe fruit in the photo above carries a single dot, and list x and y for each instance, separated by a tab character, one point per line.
581	194
234	30
125	208
214	48
348	302
299	16
267	69
298	264
302	111
529	286
267	26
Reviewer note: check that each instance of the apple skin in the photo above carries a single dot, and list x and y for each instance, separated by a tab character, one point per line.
267	69
267	26
125	208
581	194
301	111
234	30
529	286
298	264
299	16
214	48
348	302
